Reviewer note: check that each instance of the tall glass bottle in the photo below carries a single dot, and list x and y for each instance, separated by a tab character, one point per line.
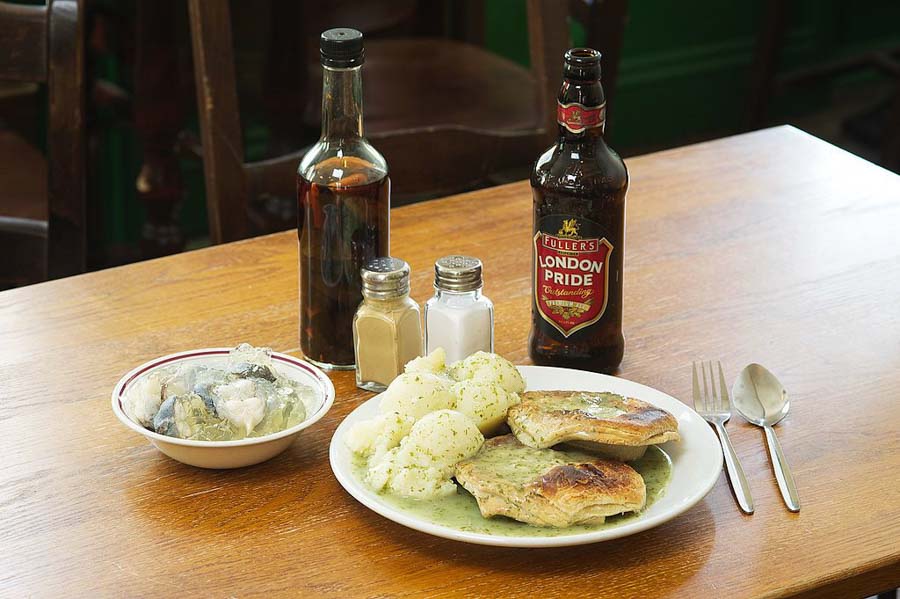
579	186
343	190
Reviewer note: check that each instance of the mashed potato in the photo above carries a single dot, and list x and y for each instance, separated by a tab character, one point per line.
422	465
432	417
488	367
435	363
414	394
485	402
375	437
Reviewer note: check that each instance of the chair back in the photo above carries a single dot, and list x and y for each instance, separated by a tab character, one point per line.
443	156
44	44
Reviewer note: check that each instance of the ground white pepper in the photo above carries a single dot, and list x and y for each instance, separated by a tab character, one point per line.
387	327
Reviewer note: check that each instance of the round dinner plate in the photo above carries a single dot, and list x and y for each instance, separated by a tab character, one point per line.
696	464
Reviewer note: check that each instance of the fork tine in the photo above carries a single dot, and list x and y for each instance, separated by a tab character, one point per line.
698	402
713	396
723	390
709	401
712	383
708	405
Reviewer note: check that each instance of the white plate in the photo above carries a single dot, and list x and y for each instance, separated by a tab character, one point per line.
696	463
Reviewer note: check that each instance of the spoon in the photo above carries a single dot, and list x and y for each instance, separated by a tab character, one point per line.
763	401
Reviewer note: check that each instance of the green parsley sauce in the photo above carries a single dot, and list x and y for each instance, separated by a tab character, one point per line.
601	406
460	511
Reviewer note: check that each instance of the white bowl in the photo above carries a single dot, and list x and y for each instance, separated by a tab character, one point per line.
229	454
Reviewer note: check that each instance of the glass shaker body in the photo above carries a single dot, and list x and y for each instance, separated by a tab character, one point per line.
461	322
392	332
387	326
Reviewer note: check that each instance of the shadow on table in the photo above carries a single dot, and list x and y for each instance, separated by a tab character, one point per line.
190	501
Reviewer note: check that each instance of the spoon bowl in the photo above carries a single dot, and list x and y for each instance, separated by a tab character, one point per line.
760	397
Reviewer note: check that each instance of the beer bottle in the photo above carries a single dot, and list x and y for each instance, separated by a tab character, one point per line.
579	187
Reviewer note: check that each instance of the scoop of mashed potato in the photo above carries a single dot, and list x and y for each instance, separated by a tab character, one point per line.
435	363
414	394
485	402
373	438
422	465
488	367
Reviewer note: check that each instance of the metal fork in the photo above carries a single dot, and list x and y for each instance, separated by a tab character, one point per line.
716	409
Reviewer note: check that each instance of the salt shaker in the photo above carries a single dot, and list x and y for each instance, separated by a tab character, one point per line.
459	318
387	327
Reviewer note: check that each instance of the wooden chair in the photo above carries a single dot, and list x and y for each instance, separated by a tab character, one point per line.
43	224
455	113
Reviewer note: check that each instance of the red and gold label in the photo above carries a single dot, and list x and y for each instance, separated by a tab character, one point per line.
571	274
577	117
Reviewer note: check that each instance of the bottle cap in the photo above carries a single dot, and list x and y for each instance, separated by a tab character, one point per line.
582	64
341	48
385	278
458	273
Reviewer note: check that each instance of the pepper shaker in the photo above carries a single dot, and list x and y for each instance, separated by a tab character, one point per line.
387	327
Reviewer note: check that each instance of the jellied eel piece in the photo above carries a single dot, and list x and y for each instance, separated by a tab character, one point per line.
605	423
545	487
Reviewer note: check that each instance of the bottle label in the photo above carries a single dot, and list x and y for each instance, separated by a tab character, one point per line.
571	273
577	117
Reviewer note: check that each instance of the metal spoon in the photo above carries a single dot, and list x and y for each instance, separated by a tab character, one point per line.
763	401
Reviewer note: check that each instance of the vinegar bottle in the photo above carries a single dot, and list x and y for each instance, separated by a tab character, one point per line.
343	222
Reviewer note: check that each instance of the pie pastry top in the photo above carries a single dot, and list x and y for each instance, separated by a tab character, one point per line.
546	487
546	418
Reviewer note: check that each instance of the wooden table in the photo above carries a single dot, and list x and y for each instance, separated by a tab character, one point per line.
771	247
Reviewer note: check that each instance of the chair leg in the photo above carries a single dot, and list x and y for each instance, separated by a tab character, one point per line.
765	62
890	147
159	115
606	33
286	85
67	207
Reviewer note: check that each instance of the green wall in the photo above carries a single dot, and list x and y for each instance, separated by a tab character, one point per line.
685	68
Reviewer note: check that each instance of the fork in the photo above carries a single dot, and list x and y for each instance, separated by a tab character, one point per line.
715	408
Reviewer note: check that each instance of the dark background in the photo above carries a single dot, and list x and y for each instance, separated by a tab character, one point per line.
685	76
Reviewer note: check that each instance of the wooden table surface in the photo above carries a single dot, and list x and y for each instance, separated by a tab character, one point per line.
771	247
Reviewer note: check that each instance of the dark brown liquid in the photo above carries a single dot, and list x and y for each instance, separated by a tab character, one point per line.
340	229
581	178
600	346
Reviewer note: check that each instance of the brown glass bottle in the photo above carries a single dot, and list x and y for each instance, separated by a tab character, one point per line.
579	186
343	191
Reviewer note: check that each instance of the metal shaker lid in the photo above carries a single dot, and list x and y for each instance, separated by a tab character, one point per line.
458	273
385	278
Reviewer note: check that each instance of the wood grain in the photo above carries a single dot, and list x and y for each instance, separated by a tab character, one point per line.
23	45
771	247
45	44
67	232
220	123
